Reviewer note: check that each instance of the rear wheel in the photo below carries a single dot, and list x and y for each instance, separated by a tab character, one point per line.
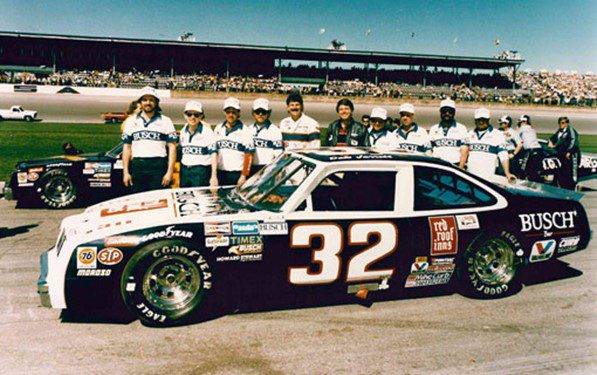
57	189
28	118
490	266
113	120
166	283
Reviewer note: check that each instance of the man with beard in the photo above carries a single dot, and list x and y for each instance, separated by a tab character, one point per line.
346	131
299	131
149	146
449	138
565	142
411	137
380	137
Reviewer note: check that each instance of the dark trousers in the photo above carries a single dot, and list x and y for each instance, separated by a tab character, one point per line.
255	169
147	173
228	177
569	171
530	165
195	176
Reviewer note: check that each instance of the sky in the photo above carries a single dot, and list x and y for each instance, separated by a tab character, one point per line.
550	35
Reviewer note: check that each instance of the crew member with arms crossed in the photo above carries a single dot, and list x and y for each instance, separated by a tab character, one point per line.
346	131
299	131
565	142
411	137
267	137
486	146
235	146
449	138
380	137
199	162
149	146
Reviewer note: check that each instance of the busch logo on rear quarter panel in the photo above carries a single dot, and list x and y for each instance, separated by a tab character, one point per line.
547	221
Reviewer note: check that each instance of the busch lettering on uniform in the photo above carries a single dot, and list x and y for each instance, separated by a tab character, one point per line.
480	147
195	150
149	135
407	147
444	142
547	221
225	143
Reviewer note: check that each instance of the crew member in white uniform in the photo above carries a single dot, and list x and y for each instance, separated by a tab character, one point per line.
267	137
486	146
449	138
199	162
149	146
513	141
235	146
411	137
299	131
380	137
531	159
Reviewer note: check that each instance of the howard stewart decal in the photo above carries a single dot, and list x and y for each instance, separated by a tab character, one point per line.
547	221
444	235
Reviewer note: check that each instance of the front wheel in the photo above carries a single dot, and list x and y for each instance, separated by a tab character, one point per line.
57	189
28	118
166	283
490	266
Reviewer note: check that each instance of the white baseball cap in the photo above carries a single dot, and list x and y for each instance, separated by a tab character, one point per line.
447	103
407	107
504	120
379	112
149	91
193	105
523	118
261	103
232	103
482	113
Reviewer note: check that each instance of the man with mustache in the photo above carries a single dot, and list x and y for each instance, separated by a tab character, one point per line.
299	131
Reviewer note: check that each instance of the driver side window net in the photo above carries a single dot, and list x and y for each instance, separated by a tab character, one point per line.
355	191
438	189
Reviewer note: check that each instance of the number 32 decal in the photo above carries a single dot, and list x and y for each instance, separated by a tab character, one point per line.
327	257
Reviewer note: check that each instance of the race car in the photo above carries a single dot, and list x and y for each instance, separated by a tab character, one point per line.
113	117
315	227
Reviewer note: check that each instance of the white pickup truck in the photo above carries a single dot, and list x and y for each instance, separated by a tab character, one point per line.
16	112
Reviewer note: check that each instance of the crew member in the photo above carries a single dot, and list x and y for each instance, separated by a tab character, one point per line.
532	149
235	146
486	146
267	137
449	138
346	131
513	141
411	137
565	142
149	150
299	131
380	137
199	162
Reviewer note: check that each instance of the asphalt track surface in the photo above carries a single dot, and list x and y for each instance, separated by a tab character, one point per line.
549	327
78	108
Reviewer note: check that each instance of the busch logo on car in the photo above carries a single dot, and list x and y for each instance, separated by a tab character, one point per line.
547	221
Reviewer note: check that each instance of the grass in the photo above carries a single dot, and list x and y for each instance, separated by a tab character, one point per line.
21	141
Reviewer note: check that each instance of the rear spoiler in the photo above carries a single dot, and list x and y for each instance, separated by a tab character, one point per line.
524	187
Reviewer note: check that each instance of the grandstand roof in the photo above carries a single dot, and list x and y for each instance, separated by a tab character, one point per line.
289	53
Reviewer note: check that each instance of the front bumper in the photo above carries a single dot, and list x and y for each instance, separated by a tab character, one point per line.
42	284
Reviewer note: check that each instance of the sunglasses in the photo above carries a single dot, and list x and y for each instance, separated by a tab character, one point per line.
261	112
406	114
194	114
447	110
376	120
563	122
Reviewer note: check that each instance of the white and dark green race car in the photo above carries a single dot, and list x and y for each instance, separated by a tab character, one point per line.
316	227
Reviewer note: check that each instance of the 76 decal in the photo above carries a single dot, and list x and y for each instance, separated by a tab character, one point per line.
327	257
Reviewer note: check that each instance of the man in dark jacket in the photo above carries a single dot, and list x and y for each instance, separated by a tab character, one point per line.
346	131
565	142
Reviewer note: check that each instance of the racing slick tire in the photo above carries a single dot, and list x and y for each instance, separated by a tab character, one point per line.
166	283
57	189
28	118
490	266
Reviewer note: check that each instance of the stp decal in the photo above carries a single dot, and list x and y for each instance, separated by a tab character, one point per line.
542	250
109	256
444	235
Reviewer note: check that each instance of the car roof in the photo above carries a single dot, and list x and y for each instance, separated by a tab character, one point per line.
333	154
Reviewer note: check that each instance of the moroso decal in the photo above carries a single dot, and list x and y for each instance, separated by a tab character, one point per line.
86	258
542	250
109	256
546	221
444	235
100	272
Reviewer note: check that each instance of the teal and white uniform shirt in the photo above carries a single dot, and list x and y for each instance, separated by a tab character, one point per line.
268	143
512	139
148	139
300	134
383	140
529	137
415	141
447	143
197	146
485	147
233	145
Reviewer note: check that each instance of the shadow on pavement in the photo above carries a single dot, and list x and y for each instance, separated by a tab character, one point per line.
96	316
553	271
10	232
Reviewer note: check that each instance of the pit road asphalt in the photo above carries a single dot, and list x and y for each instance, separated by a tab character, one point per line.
549	327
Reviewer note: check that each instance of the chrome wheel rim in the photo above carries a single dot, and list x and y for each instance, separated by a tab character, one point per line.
493	263
59	190
171	283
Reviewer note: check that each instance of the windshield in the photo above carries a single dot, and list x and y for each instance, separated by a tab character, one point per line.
115	151
271	187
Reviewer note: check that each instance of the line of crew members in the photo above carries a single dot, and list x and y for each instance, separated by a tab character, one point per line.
233	151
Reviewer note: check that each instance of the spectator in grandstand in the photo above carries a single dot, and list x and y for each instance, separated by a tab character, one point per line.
513	141
379	136
299	131
133	109
149	150
346	131
529	164
411	137
565	142
486	146
235	146
199	162
267	137
449	138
